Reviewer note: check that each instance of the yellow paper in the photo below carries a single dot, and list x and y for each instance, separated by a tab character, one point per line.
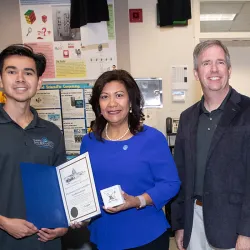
70	69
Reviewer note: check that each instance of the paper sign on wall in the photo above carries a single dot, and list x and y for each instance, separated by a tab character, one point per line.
179	77
94	33
178	95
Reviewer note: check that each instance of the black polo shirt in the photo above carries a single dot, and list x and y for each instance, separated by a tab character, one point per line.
41	142
207	124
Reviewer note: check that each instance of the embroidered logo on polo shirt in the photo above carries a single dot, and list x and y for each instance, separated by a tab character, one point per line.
44	143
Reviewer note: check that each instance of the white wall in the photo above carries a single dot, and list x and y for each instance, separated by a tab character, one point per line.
122	33
240	78
10	26
152	52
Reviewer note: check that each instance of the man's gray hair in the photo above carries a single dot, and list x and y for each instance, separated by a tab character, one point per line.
199	48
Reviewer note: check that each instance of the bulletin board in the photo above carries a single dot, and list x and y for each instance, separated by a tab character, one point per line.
72	54
67	106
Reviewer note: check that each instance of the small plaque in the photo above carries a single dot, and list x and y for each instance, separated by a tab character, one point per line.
112	196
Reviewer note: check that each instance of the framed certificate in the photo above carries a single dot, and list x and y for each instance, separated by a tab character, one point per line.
58	196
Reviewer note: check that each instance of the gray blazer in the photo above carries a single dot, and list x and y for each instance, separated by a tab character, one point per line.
226	194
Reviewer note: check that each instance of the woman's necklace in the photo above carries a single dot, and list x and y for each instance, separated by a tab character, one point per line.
118	139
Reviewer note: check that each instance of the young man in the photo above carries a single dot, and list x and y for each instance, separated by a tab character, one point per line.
212	210
24	138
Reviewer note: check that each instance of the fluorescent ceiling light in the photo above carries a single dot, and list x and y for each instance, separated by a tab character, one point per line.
217	17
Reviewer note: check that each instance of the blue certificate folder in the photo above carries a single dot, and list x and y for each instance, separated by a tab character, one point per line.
44	204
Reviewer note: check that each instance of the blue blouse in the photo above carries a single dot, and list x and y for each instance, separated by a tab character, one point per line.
140	164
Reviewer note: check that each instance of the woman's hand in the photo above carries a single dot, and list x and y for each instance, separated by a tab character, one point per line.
129	202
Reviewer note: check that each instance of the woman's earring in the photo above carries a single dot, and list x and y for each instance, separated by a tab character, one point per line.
130	110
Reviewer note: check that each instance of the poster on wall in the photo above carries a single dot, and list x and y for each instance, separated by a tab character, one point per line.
47	50
70	61
74	130
36	23
46	100
66	105
53	116
90	115
101	57
61	24
72	54
73	103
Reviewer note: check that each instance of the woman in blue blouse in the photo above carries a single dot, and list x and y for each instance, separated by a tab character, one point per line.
125	152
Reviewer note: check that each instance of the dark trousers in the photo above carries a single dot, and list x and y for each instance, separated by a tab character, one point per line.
161	243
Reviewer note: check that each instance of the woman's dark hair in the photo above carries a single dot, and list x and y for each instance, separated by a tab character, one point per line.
24	50
135	118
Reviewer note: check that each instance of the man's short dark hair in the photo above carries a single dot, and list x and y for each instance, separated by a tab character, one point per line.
24	50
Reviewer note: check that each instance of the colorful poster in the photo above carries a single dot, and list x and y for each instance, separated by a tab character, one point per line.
74	130
36	23
70	61
72	103
87	94
46	27
68	50
52	115
65	105
46	99
90	115
47	50
65	86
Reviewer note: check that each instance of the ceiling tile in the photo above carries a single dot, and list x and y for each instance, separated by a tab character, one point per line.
240	24
220	26
220	7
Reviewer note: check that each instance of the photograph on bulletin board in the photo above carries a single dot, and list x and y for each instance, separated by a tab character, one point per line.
61	24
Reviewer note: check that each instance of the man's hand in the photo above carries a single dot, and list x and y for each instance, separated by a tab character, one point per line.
243	243
18	228
46	234
179	234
